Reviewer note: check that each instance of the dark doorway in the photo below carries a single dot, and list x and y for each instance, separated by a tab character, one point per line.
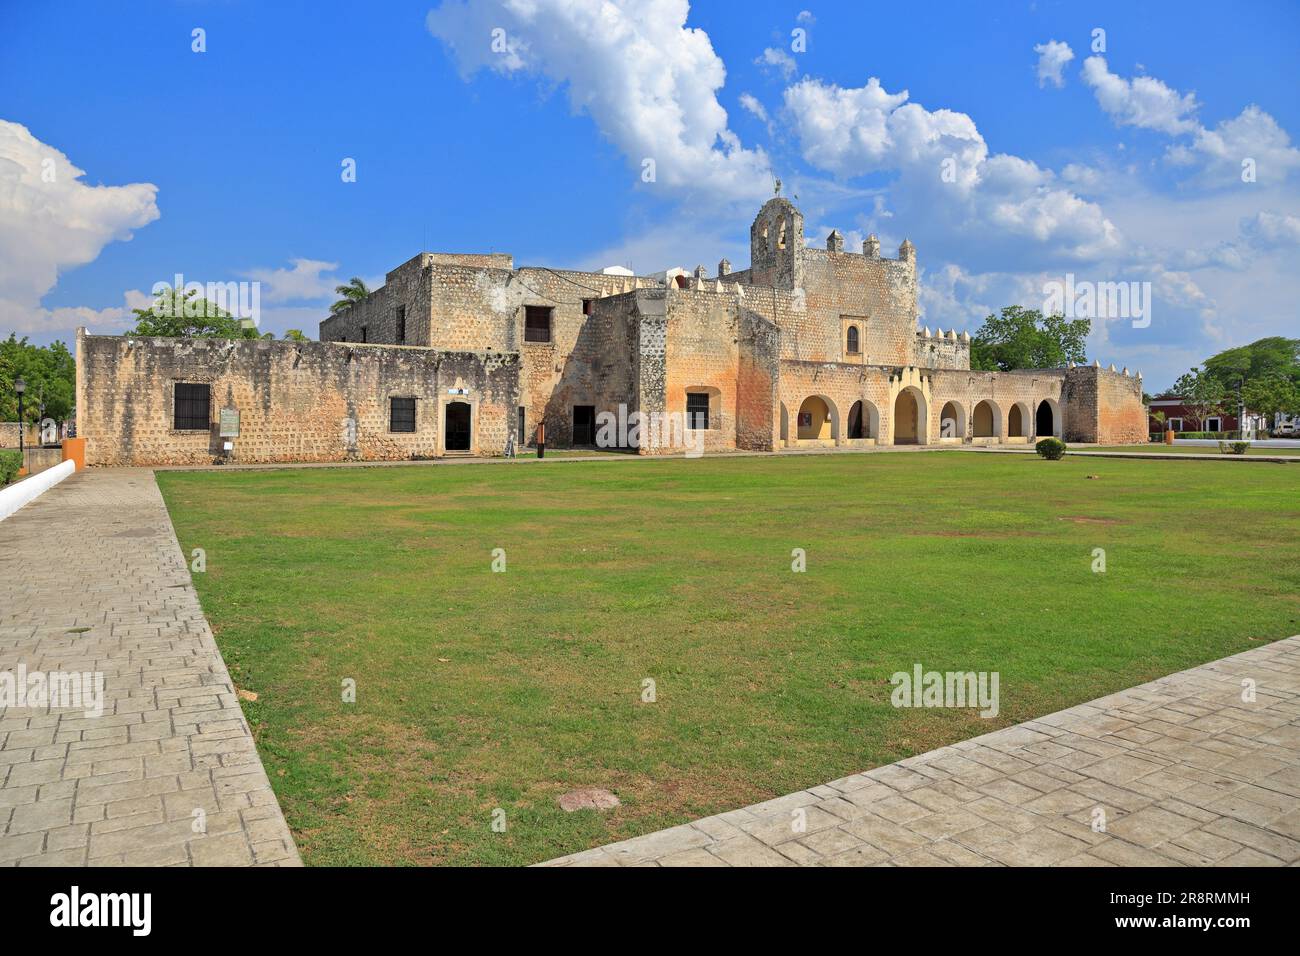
457	430
855	421
1045	421
584	424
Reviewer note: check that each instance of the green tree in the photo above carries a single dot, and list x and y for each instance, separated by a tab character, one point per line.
1270	394
185	315
1025	338
50	374
353	292
1273	356
1203	395
295	335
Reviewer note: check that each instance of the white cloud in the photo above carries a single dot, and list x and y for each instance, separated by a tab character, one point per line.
1269	230
1052	57
48	227
647	80
1253	135
774	58
1144	101
304	281
948	187
1081	176
1216	155
806	16
752	105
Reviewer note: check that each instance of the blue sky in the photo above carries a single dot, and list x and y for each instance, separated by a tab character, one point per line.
1123	165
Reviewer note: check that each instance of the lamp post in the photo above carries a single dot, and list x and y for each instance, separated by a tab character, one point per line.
20	386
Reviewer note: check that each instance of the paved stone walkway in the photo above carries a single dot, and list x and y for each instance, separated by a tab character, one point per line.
92	579
1184	771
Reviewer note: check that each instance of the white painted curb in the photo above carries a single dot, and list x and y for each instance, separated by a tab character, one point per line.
16	495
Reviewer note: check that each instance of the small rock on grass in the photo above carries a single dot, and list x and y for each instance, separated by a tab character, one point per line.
588	798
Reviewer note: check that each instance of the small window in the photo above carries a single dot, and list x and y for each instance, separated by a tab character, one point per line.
401	325
192	407
853	340
697	410
1175	424
401	416
365	329
537	323
586	306
523	435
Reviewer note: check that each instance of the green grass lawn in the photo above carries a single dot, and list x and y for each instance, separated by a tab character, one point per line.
1188	449
478	690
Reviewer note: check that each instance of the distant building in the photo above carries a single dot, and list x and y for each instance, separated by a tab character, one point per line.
1183	418
468	354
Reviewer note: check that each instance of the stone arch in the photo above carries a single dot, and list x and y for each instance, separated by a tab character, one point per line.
1018	420
911	417
952	412
1048	419
822	420
864	420
986	422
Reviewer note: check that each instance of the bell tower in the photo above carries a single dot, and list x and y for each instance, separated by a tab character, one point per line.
776	246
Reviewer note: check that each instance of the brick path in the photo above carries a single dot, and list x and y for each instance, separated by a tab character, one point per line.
92	579
1184	771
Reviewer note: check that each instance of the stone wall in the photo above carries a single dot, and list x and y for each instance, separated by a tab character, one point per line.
941	350
1104	406
758	376
9	435
297	401
880	293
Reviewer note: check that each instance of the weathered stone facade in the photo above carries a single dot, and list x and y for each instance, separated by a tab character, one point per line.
297	401
806	346
799	324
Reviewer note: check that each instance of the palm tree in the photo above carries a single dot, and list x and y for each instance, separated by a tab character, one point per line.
353	292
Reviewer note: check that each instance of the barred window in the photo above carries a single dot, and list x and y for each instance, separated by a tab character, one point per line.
192	407
697	410
401	416
537	323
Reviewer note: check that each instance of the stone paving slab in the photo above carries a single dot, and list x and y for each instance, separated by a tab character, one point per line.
1177	772
92	579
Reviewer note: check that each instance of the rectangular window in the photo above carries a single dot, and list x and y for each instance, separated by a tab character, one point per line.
586	306
364	336
401	325
192	407
1175	424
697	410
537	323
523	435
401	416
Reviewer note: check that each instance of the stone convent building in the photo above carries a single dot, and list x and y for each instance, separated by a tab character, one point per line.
466	354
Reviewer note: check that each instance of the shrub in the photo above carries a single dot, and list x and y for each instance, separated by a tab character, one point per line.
1233	447
10	462
1053	449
